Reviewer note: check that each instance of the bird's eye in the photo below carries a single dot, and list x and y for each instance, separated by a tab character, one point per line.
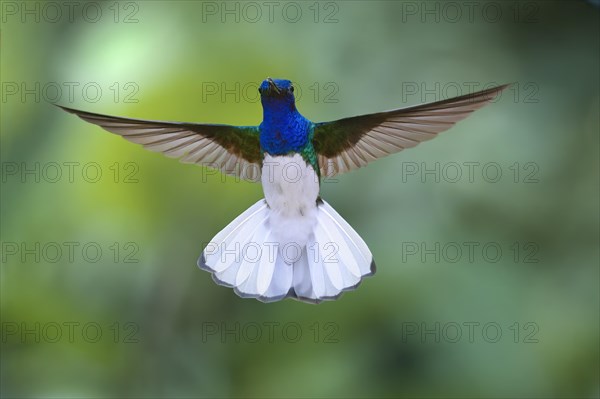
292	89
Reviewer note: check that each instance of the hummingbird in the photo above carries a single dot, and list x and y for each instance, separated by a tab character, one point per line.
291	243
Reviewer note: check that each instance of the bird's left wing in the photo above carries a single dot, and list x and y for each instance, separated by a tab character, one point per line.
235	150
350	143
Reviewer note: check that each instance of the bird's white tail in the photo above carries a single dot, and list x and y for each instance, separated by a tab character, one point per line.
247	256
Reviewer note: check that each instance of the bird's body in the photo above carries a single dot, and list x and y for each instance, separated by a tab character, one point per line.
291	188
291	243
290	176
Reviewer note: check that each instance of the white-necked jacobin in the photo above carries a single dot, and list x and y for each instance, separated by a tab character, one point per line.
291	243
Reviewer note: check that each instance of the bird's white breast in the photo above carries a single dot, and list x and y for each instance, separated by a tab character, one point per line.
291	188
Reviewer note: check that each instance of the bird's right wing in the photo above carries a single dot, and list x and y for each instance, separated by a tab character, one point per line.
235	150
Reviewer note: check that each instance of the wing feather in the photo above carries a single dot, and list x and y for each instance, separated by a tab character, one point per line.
234	150
350	143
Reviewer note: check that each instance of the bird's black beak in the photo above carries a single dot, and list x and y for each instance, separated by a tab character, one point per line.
273	86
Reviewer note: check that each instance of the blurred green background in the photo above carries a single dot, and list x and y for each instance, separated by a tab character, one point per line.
141	320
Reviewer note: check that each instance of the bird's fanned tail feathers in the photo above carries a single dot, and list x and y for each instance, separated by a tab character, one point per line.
248	257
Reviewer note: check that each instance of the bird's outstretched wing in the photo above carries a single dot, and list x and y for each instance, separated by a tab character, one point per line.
350	143
235	150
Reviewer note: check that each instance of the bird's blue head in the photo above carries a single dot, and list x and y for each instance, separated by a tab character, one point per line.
283	128
277	95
